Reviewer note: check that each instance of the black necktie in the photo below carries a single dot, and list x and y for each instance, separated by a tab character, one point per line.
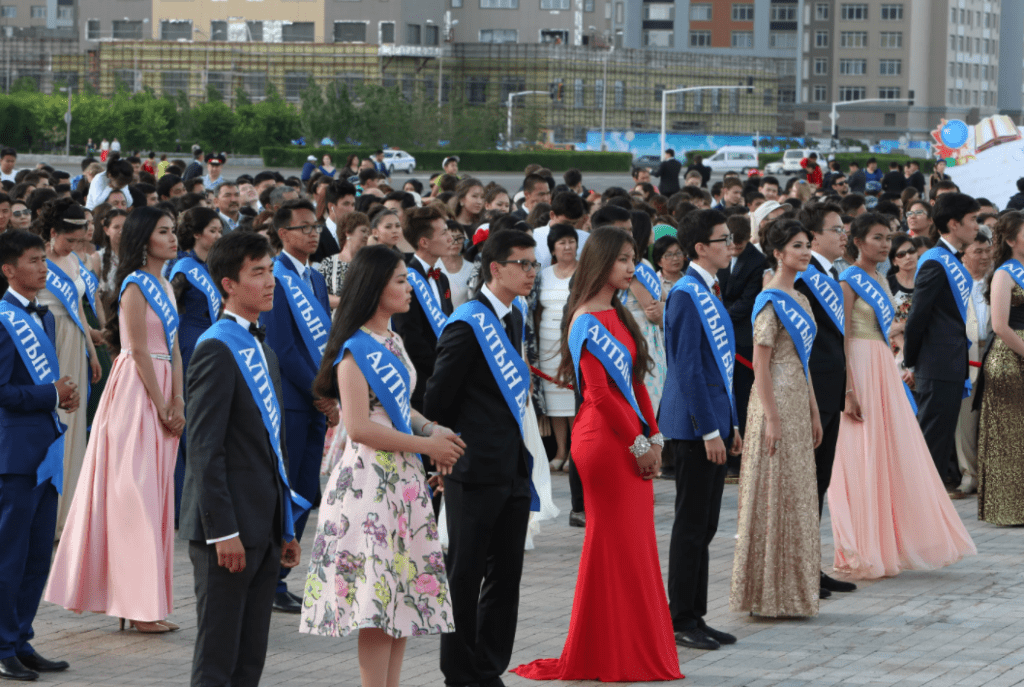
259	331
39	309
834	272
507	321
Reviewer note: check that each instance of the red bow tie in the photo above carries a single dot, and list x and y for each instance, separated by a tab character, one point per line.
434	274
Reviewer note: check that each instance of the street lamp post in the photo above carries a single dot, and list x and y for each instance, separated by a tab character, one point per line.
604	95
508	135
664	102
67	120
835	115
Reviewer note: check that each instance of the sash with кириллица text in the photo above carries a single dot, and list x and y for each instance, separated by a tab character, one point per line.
312	320
588	331
199	277
648	278
717	329
798	323
828	292
63	287
960	283
92	285
157	298
510	371
250	360
425	296
871	293
40	358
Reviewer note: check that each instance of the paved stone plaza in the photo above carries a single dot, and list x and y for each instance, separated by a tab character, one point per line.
963	625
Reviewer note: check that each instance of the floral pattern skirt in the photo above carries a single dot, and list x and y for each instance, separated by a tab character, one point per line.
376	561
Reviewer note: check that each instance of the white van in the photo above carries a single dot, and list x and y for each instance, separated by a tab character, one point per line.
733	159
791	160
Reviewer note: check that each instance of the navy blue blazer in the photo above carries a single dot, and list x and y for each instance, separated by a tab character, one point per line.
193	313
27	427
695	401
297	367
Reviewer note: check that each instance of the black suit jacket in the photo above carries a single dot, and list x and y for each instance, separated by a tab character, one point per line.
232	482
417	334
327	247
917	181
935	342
828	358
739	291
462	395
894	182
668	173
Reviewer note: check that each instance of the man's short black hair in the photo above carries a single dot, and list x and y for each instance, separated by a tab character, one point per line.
88	161
283	215
368	174
568	204
532	181
7	150
165	184
851	202
499	246
952	206
265	175
337	190
609	214
572	177
767	180
227	183
406	199
13	244
230	252
419	223
697	227
812	215
670	152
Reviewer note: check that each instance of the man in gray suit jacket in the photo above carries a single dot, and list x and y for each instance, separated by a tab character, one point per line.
233	510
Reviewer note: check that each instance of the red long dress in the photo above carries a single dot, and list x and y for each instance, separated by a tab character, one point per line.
621	629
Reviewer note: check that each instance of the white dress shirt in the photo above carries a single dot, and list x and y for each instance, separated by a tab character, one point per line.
39	320
300	267
500	309
829	265
434	286
710	280
980	309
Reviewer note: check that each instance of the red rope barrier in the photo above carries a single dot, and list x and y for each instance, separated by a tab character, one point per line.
744	362
548	378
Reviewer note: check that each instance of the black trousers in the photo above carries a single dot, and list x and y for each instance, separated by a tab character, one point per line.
233	611
743	384
825	454
486	533
699	486
938	410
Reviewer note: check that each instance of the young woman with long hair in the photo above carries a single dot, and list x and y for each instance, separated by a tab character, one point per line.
117	552
376	563
625	637
385	229
468	203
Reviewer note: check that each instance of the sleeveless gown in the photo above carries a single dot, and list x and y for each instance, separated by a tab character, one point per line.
620	629
890	511
117	552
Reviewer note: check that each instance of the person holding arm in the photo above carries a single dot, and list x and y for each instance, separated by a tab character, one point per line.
117	552
777	568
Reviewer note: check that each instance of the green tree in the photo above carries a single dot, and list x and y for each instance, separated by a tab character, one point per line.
213	94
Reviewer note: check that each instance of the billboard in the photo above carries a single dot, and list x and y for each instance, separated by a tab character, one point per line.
983	159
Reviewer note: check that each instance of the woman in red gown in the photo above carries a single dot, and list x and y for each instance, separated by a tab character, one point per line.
621	629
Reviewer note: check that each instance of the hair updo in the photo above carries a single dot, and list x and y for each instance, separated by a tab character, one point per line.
60	216
861	227
778	234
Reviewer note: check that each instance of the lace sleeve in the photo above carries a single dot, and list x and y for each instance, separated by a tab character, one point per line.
766	327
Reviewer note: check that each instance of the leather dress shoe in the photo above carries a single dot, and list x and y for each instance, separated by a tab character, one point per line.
823	593
12	669
577	519
718	635
284	603
39	664
696	639
295	597
834	585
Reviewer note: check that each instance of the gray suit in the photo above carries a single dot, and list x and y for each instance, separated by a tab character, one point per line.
232	485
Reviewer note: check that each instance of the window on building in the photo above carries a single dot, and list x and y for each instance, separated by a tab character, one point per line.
744	12
769	97
787	96
890	67
65	12
889	92
659	12
9	11
852	93
854	12
952	15
128	77
220	82
890	39
300	32
174	30
700	11
499	35
659	89
782	39
716	100
349	32
680	98
598	92
620	94
555	36
853	39
433	35
620	13
892	12
783	13
960	69
821	39
476	90
254	31
92	30
37	11
408	87
127	30
657	38
820	93
734	102
218	30
786	67
821	66
554	4
413	34
700	39
387	32
510	85
255	84
821	11
499	4
743	39
294	84
890	119
848	67
578	93
588	5
175	82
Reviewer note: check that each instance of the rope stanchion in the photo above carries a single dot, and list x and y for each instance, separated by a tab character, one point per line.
744	362
549	378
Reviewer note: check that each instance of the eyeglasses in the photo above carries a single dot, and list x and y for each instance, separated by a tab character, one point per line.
916	213
839	229
905	253
307	229
21	213
727	240
672	254
527	265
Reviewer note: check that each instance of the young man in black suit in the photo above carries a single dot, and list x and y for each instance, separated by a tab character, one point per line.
233	508
487	495
935	343
828	357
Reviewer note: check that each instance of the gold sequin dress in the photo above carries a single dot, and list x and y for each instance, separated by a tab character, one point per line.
1001	429
776	570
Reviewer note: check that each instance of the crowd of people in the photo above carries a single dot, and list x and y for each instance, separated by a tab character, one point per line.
187	354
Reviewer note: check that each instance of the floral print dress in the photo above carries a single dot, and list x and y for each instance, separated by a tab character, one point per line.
376	561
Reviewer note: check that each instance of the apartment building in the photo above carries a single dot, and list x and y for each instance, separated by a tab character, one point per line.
37	18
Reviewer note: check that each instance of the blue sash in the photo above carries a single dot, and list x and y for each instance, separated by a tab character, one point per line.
425	296
649	278
865	286
618	363
522	305
158	301
960	283
40	359
244	348
510	371
199	277
310	317
828	292
717	328
63	287
92	285
1015	270
798	324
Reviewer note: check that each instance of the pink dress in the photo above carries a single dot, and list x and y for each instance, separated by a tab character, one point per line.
117	552
890	511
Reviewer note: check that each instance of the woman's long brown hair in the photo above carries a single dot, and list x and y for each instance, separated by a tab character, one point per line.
596	261
1007	229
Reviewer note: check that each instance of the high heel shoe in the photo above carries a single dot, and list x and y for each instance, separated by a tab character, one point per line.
556	464
146	628
168	624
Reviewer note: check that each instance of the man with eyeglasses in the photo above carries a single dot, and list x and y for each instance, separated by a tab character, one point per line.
840	184
297	329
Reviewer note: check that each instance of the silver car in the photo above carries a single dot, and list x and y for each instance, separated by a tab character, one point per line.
399	160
